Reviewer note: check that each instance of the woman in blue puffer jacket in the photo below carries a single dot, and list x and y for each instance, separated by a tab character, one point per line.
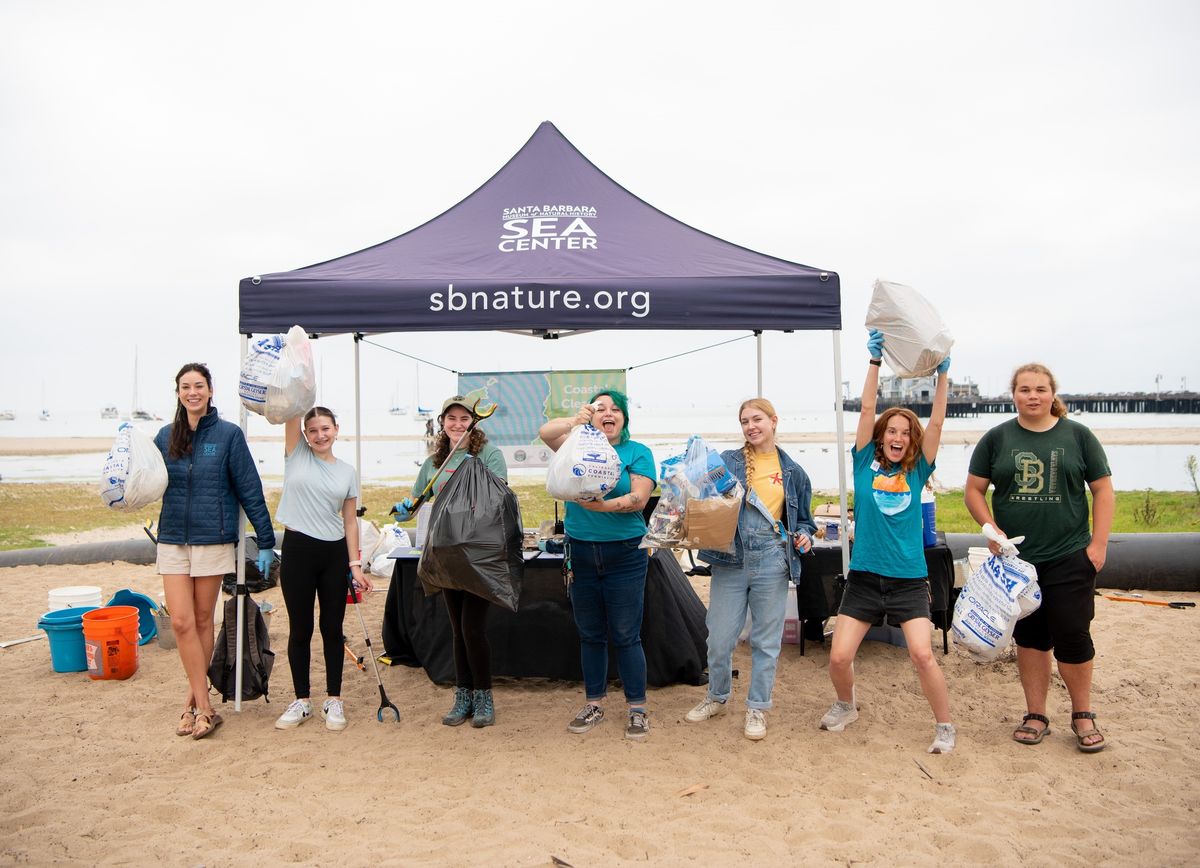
210	472
774	526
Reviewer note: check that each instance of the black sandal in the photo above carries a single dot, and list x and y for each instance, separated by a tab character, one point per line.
1038	734
1080	735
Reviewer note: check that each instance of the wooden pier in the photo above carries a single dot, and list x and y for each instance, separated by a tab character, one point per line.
1130	402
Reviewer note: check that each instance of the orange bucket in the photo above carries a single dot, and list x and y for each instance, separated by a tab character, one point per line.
110	642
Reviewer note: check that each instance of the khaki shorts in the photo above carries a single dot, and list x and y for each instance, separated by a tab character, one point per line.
214	560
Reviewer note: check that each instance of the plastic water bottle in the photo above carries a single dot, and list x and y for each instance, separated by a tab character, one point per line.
928	517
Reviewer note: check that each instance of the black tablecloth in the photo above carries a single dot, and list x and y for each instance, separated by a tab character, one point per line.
539	639
818	594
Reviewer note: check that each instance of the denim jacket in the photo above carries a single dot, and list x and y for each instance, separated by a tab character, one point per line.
797	510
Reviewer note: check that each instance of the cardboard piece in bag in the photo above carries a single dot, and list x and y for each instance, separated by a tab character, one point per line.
711	523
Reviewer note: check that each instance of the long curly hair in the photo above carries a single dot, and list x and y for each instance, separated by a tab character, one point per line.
180	442
747	450
915	434
1057	408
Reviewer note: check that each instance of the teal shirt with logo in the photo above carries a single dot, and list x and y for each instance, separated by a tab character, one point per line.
583	524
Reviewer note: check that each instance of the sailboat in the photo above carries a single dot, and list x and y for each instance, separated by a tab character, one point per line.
138	414
397	409
423	413
109	412
7	416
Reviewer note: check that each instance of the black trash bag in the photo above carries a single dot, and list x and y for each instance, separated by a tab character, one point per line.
474	538
255	582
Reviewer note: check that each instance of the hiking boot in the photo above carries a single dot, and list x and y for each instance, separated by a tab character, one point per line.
462	708
943	739
639	724
756	724
591	715
707	708
335	714
839	715
296	713
485	713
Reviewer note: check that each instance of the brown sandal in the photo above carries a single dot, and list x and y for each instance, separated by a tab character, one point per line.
1035	735
1081	734
187	722
206	722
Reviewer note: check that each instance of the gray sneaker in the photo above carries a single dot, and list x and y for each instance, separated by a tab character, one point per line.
639	725
839	715
591	715
943	739
299	711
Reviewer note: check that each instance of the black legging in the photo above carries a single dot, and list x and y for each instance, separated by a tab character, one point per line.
472	653
314	569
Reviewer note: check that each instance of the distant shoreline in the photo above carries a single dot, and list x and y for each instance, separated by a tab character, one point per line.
39	446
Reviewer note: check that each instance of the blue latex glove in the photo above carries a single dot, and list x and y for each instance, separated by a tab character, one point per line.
875	343
944	367
263	562
403	509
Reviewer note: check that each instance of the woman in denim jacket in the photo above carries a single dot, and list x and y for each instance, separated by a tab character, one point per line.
775	525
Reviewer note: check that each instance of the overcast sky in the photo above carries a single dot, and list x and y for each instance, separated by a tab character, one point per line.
1031	168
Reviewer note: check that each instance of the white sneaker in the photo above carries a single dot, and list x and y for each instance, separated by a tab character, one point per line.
839	715
296	713
335	714
756	724
707	708
943	739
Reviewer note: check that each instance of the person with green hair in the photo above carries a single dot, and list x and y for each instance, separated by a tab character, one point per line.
609	566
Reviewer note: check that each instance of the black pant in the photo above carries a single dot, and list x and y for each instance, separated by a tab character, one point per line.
314	569
472	653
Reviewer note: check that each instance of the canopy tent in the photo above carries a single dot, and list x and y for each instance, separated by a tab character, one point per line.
549	245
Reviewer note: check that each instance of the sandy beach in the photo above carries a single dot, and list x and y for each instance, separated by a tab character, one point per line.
95	774
1108	436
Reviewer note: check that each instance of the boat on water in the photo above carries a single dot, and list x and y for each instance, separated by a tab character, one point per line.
398	410
109	412
44	416
7	416
143	416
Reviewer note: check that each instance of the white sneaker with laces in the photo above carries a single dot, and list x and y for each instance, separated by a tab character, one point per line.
943	739
335	714
295	714
840	714
707	708
756	724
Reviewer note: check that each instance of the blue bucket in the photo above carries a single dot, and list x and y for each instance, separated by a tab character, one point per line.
147	626
64	629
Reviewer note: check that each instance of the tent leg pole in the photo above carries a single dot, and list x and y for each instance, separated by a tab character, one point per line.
243	420
844	536
358	414
758	341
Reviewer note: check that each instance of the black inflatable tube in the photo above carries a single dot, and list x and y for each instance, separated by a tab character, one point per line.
1149	561
133	551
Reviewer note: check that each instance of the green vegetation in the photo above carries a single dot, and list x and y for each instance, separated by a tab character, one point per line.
31	511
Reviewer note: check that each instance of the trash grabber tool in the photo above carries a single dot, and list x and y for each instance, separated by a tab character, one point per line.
384	702
354	658
476	417
1172	604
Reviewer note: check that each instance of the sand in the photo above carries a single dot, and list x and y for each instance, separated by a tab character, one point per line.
95	774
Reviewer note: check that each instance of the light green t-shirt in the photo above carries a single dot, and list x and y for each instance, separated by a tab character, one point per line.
492	458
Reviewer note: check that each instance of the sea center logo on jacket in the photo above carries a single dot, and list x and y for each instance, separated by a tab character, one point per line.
209	449
547	227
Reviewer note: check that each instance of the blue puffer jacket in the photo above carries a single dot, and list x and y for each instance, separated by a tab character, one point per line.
797	493
200	505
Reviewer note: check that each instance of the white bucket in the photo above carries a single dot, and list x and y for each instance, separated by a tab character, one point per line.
73	597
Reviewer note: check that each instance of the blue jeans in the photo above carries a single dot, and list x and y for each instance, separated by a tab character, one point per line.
761	583
607	596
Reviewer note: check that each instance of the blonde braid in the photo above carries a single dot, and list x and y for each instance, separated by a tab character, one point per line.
748	450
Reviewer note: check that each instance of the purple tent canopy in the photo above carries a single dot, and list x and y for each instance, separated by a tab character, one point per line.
549	243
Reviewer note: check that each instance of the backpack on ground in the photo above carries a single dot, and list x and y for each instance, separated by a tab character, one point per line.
257	657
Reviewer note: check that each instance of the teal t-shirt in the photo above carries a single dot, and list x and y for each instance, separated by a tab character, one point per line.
492	458
1041	482
583	524
887	517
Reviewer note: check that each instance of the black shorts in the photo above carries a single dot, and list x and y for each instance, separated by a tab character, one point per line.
1063	622
870	596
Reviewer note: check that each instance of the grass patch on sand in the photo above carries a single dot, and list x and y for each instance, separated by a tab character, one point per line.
31	511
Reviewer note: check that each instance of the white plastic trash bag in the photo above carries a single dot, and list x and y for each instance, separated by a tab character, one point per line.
585	467
1000	592
916	340
277	379
134	474
378	561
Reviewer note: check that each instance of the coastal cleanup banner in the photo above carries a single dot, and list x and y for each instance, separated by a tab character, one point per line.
528	399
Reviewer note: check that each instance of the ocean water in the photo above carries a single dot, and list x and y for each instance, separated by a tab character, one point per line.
1160	467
